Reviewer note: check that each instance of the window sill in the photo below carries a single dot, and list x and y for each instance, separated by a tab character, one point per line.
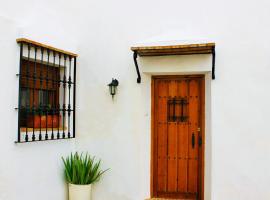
23	129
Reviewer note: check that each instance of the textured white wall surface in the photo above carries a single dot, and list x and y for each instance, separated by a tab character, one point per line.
118	131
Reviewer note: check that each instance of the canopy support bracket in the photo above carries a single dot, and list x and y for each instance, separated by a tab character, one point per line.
213	63
135	56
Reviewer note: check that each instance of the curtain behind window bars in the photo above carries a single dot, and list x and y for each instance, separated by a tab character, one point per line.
62	111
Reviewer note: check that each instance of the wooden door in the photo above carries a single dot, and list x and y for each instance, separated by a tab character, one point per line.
177	137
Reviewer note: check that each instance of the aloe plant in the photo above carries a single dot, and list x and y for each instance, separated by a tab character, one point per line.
82	169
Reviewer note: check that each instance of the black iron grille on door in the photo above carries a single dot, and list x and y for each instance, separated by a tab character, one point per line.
177	110
46	104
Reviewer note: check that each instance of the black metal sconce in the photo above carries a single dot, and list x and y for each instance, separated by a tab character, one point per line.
113	85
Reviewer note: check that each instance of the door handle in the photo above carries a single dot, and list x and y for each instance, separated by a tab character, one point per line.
193	140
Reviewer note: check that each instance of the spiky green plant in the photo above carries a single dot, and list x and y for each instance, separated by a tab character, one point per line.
82	169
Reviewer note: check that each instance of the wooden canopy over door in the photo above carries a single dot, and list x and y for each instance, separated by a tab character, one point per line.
175	49
177	137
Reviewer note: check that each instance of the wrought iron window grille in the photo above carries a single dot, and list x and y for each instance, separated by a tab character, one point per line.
47	93
177	110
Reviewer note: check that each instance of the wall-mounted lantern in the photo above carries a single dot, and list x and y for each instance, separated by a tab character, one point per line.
113	86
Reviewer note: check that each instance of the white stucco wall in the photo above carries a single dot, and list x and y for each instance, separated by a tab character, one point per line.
27	171
118	131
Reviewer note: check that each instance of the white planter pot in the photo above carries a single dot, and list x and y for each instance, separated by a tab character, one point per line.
79	192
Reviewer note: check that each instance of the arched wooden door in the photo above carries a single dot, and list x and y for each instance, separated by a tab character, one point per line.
177	137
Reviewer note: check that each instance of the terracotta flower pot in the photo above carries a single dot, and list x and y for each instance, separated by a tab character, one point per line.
53	121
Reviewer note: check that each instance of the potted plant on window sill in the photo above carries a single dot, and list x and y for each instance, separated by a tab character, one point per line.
81	171
44	117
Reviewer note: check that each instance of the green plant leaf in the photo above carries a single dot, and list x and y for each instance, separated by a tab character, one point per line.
82	169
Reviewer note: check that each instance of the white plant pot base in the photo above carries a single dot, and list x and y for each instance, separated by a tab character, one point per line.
79	192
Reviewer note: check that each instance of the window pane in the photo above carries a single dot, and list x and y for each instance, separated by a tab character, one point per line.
24	98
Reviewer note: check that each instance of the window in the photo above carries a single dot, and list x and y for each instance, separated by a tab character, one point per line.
46	93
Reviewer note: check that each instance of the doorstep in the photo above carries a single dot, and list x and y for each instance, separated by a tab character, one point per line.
164	199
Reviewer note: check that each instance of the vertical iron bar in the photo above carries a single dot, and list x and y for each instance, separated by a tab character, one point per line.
181	117
59	84
28	107
59	120
53	98
41	86
19	100
69	86
34	90
47	92
64	97
74	96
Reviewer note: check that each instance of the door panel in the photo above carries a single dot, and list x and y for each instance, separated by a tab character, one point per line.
172	157
176	150
162	93
182	159
162	156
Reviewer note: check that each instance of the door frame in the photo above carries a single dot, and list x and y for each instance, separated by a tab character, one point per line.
202	118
